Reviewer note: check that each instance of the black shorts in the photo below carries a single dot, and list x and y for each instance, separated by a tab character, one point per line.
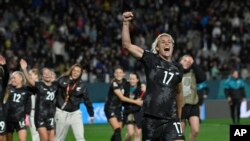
189	111
2	126
114	113
48	123
158	129
15	125
133	118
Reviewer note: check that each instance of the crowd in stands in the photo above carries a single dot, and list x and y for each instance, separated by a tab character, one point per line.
59	33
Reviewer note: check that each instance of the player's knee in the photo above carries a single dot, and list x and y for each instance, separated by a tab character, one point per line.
195	132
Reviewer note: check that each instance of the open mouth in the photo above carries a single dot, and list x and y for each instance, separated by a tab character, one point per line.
166	49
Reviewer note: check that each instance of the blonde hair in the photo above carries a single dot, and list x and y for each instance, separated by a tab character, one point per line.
24	81
7	91
154	44
6	96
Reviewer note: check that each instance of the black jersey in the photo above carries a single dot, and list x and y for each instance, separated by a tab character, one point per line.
45	99
112	101
77	93
4	77
17	103
162	80
133	93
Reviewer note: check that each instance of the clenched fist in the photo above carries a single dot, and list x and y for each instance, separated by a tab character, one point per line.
127	16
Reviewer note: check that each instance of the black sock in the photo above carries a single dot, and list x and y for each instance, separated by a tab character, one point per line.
117	135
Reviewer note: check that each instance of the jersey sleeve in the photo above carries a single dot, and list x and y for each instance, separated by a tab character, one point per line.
148	58
87	102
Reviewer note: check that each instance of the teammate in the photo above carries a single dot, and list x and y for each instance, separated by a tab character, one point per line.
132	113
71	92
163	98
234	89
45	102
113	104
191	77
34	74
18	97
4	77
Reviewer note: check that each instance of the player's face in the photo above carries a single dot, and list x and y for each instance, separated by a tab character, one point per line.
33	76
53	75
16	80
133	80
76	72
165	46
47	75
119	74
186	62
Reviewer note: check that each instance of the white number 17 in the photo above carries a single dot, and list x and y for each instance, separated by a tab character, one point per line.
167	77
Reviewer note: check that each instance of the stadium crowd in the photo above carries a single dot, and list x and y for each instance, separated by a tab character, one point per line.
59	33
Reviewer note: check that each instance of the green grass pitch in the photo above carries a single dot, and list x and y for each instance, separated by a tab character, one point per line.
211	130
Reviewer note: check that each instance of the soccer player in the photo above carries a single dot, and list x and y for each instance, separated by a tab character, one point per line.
234	89
4	77
45	102
132	113
34	74
113	104
192	75
72	91
18	97
163	98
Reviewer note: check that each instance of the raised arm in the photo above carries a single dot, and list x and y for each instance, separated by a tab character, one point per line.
136	51
24	65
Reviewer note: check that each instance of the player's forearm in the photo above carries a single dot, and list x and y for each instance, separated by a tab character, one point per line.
30	80
126	41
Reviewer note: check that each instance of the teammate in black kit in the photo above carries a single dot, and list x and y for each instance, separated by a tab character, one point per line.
113	104
163	98
4	77
34	74
18	97
132	113
45	102
71	92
